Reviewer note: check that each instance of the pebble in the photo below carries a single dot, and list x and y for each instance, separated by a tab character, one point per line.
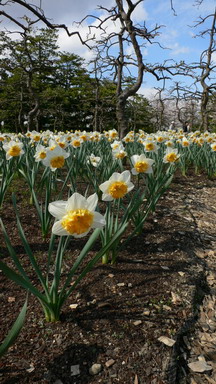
75	370
109	363
95	369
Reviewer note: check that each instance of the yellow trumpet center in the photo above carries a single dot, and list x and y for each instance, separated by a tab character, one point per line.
36	138
42	155
76	143
61	144
14	150
57	162
171	157
120	155
77	221
149	146
141	166
185	143
160	139
118	189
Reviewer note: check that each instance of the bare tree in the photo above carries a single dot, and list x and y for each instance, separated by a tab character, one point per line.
208	67
119	50
35	12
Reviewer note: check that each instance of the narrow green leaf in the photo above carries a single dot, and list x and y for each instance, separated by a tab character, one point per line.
15	330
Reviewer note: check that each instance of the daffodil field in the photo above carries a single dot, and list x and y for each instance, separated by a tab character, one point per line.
92	185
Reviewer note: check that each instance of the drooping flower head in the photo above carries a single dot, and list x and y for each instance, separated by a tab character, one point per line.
141	164
76	216
117	186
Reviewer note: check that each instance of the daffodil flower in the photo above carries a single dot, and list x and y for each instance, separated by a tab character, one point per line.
77	216
40	153
213	147
55	158
13	149
171	155
117	186
94	160
141	164
150	146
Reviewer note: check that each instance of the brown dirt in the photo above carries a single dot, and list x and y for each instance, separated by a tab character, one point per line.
156	289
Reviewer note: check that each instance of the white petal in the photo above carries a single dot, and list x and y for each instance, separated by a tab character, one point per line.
134	159
105	186
76	201
115	176
57	208
107	197
130	187
99	220
92	202
81	235
58	230
125	176
149	170
134	172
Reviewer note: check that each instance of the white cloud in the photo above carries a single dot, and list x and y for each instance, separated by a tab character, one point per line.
149	93
213	58
177	49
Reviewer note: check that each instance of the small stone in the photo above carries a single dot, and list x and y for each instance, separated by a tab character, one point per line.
138	322
146	313
109	363
73	306
199	366
167	308
121	284
75	370
181	273
58	382
110	275
167	341
95	369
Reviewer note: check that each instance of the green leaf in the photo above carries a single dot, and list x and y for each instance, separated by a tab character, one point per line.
15	330
12	275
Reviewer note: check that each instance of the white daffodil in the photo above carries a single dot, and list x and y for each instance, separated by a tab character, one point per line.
76	142
117	186
40	153
171	155
55	158
150	146
119	153
94	160
35	136
213	147
2	137
116	145
13	149
185	142
76	216
141	164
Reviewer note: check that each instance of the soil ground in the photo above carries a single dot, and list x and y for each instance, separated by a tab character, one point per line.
162	285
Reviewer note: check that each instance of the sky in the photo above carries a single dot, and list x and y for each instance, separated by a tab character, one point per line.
177	32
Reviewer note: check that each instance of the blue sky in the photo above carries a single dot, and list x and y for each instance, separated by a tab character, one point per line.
176	34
